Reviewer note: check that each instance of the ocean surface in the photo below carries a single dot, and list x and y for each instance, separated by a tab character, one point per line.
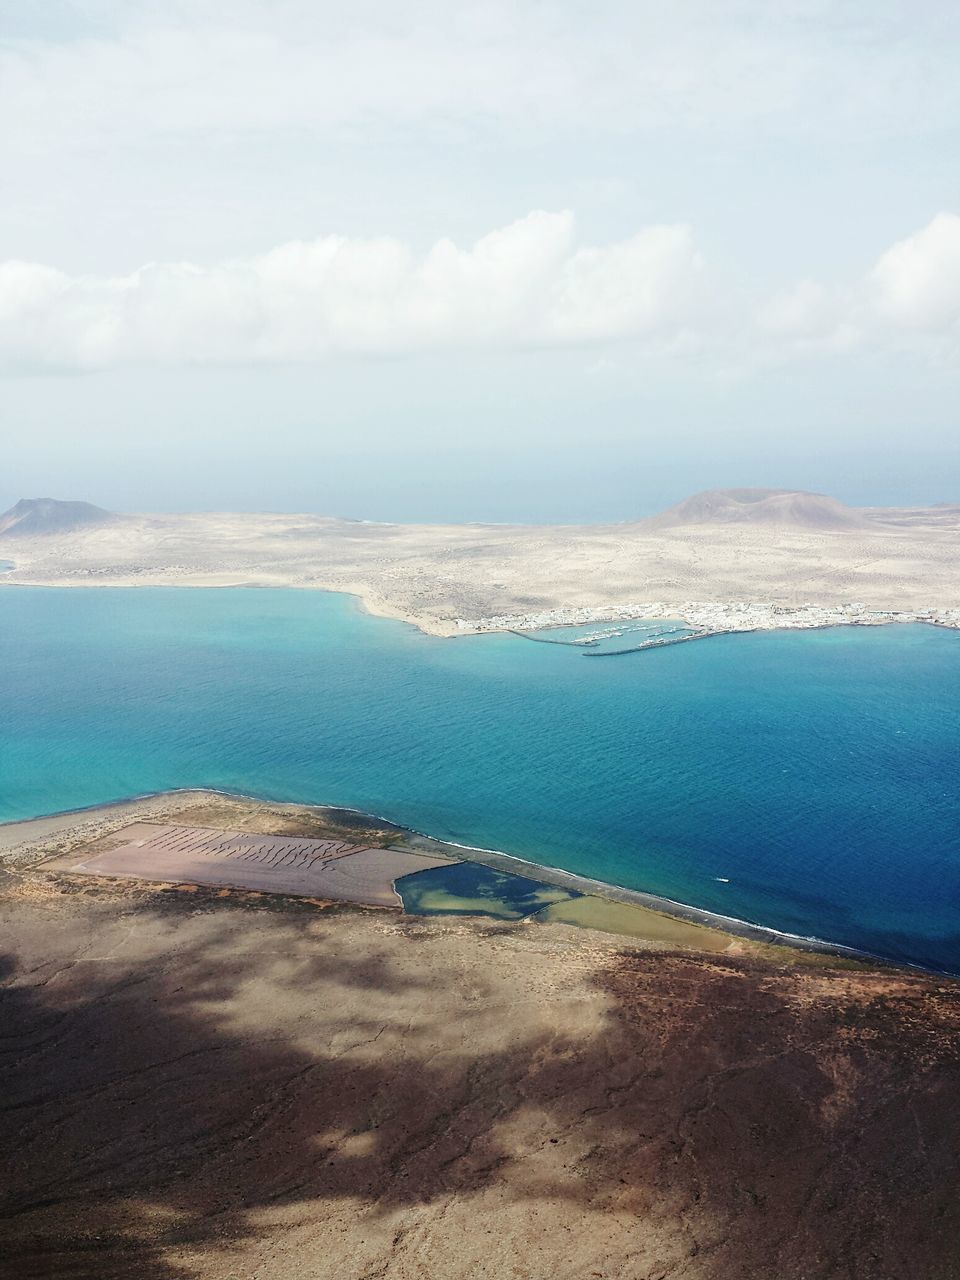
807	781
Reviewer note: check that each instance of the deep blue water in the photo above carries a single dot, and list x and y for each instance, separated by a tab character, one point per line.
816	771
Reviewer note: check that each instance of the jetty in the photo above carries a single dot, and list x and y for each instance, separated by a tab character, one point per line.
656	642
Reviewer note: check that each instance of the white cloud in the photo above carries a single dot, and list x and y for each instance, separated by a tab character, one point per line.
909	298
916	283
528	284
524	284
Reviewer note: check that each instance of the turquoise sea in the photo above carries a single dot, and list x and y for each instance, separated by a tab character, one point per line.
807	781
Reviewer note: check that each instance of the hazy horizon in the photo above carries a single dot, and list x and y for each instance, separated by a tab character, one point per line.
522	264
614	504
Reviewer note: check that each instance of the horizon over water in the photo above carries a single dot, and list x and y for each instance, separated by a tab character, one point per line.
805	781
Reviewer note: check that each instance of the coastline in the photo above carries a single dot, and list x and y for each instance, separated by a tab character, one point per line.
732	925
31	841
705	618
24	838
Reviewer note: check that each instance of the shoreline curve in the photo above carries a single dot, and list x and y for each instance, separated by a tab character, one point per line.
19	834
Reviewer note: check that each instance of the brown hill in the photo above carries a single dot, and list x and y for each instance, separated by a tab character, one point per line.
49	515
785	507
277	1091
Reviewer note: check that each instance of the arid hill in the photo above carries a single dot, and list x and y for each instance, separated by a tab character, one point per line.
761	506
50	515
204	1086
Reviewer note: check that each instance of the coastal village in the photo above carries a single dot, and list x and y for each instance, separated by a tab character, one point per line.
711	619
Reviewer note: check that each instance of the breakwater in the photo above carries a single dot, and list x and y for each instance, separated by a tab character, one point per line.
659	642
591	644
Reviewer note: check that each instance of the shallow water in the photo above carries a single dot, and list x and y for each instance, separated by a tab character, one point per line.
470	889
802	780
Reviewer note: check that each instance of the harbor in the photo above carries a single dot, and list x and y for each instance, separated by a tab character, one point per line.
697	620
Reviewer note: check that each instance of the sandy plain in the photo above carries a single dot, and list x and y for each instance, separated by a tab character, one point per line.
437	575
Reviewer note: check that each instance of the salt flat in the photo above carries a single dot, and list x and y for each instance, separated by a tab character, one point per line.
331	869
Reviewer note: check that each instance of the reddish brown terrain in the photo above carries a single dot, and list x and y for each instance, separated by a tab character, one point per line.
211	1084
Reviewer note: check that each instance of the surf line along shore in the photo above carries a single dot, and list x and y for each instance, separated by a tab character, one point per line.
72	842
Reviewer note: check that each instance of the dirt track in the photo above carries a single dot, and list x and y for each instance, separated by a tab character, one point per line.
203	1086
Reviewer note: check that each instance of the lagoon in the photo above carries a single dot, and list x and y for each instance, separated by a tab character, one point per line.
806	781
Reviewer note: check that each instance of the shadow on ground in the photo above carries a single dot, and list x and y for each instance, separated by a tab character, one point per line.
219	1092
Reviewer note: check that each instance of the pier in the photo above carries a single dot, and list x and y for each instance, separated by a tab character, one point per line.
657	642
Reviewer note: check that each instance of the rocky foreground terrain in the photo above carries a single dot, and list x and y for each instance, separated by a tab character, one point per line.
207	1084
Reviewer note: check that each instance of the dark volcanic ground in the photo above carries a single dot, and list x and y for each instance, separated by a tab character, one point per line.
215	1086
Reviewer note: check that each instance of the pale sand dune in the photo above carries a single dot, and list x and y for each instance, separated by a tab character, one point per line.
433	575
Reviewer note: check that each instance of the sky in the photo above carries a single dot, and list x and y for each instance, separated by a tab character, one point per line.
511	262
